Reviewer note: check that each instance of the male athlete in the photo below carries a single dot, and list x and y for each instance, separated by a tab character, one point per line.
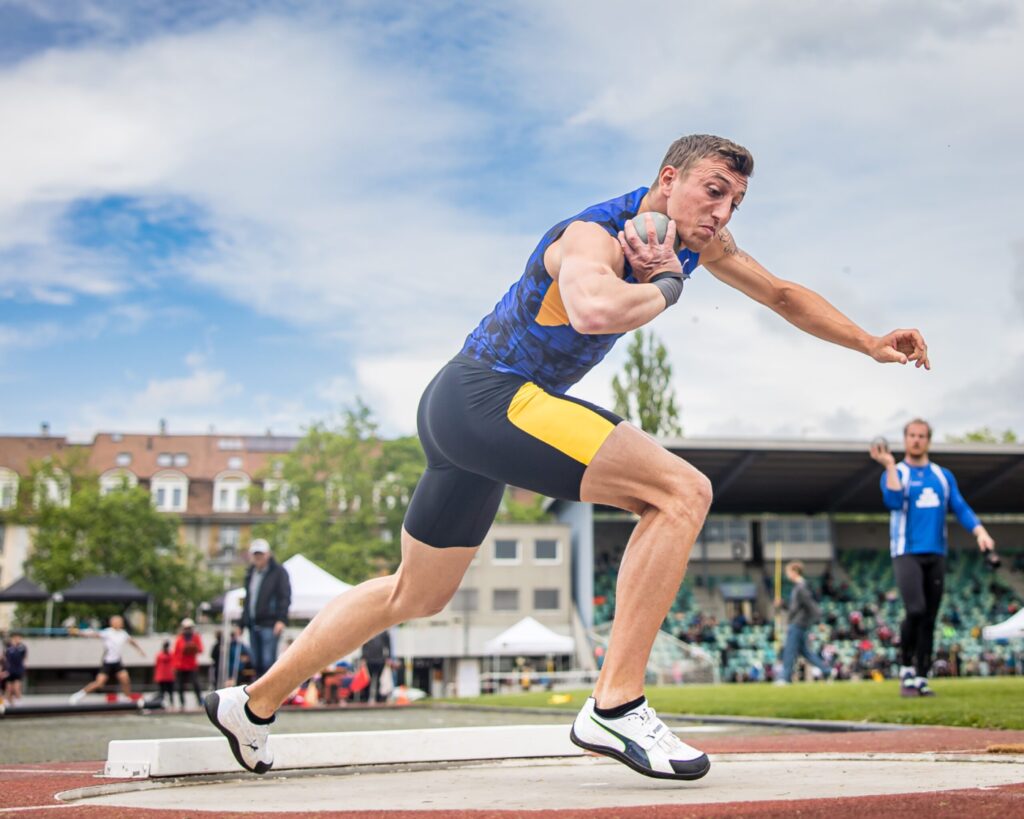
919	493
497	414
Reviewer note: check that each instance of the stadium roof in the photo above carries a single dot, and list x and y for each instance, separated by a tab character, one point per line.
781	476
753	476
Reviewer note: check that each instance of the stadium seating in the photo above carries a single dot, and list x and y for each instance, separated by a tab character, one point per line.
861	616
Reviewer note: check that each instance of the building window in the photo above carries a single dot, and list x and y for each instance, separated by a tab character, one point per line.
278	497
8	488
545	599
796	530
545	550
821	532
773	531
505	600
231	493
164	459
53	489
169	491
466	600
123	458
227	540
117	479
506	551
181	459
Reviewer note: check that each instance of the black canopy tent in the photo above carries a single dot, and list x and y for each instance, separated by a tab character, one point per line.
107	588
23	590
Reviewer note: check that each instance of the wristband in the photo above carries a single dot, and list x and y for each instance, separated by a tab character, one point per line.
670	284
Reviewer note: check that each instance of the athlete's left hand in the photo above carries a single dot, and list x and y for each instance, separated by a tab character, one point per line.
900	347
985	541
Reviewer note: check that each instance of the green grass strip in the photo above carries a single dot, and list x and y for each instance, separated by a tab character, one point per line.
994	702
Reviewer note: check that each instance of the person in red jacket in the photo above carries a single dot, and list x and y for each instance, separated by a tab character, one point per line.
163	675
187	649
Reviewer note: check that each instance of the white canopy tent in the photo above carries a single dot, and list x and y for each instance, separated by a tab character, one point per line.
312	589
1008	629
530	638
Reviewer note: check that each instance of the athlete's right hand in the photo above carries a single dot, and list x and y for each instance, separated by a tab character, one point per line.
653	257
882	455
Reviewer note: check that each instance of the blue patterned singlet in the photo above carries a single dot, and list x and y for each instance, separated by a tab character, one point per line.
528	332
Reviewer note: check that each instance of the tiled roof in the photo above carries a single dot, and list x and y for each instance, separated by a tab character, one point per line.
206	457
19	452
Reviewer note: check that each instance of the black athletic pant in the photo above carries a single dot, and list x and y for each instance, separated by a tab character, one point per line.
920	579
188	678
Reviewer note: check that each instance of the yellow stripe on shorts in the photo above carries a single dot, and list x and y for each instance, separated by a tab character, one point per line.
574	430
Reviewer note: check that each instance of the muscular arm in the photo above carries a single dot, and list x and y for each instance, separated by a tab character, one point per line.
797	304
596	299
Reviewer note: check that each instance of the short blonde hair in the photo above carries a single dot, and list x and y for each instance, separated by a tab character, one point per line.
797	566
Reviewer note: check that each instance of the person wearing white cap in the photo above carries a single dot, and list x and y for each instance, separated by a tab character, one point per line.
268	596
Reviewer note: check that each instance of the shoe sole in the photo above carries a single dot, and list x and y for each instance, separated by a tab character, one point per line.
212	701
625	760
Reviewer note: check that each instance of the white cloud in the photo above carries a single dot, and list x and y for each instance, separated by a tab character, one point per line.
189	403
339	192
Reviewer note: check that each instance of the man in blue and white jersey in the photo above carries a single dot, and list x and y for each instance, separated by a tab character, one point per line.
919	494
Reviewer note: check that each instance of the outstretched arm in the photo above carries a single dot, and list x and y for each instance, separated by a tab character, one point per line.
806	309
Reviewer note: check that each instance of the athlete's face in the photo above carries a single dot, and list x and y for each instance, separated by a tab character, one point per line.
702	200
916	440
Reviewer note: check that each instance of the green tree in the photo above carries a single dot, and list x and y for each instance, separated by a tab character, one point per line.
117	533
342	493
984	435
643	391
526	510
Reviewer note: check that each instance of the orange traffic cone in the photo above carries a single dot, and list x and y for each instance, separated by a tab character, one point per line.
401	696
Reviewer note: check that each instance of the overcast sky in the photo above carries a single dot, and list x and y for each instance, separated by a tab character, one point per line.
243	215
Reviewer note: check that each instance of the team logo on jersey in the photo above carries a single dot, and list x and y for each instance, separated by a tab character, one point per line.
927	499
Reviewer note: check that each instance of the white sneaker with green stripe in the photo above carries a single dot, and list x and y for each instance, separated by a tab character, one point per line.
640	740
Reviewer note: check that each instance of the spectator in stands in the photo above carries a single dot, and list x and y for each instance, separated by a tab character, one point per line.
803	613
919	493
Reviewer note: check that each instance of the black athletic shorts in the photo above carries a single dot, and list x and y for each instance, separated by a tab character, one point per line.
112	669
481	430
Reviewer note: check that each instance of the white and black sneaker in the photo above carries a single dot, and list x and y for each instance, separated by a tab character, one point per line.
908	682
249	741
640	740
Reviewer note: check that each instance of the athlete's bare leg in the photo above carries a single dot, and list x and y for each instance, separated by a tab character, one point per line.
99	682
632	471
125	681
422	586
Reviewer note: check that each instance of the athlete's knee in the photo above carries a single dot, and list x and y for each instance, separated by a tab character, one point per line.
916	611
686	496
411	598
